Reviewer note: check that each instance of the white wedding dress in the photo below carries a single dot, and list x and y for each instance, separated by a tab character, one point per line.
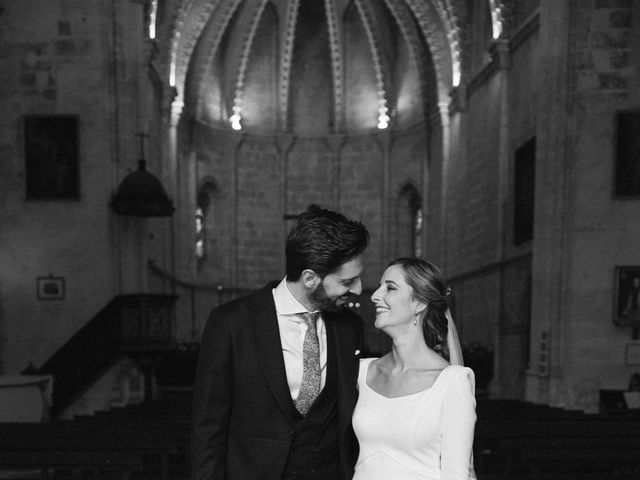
427	435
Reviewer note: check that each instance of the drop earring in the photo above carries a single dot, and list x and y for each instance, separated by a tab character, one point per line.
415	321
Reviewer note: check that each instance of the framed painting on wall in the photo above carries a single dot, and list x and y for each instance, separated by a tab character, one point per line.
51	157
627	306
627	155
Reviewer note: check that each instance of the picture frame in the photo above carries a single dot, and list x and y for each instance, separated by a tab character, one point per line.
632	356
627	296
50	288
627	155
51	157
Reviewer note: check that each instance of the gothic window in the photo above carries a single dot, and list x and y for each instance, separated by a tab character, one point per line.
524	191
417	232
409	222
204	221
200	233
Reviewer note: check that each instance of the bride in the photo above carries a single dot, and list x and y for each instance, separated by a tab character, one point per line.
415	414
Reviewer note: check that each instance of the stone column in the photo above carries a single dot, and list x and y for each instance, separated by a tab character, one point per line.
501	57
550	256
445	122
284	143
335	142
235	144
384	141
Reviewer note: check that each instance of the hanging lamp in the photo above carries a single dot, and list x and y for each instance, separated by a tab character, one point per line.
141	194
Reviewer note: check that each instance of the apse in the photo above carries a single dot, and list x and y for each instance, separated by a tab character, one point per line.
310	68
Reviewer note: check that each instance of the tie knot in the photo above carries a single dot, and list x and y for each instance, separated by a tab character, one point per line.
311	317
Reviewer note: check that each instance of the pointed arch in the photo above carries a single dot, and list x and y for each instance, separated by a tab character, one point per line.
205	221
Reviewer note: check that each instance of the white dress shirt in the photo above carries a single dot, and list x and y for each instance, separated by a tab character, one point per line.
292	330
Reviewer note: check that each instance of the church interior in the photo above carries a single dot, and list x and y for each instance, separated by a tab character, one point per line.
155	154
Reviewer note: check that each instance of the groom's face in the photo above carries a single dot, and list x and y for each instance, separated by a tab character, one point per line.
333	291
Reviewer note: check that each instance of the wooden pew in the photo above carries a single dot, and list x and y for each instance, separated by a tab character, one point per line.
580	445
70	461
91	445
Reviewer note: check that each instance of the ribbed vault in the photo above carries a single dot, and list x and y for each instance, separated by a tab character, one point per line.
216	51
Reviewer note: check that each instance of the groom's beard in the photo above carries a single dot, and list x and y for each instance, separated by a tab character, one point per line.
321	301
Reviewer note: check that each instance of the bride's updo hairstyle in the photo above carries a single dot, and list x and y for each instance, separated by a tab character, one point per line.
430	287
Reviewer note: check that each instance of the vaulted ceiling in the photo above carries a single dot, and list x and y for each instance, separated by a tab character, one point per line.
314	66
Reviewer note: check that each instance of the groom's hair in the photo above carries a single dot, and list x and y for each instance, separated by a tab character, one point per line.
321	240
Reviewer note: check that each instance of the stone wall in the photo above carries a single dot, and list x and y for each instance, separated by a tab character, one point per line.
87	59
55	61
263	182
604	78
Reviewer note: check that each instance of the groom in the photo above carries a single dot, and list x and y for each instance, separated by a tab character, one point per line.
276	380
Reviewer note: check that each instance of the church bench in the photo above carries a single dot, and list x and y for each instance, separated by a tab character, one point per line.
150	447
581	461
121	463
576	445
595	426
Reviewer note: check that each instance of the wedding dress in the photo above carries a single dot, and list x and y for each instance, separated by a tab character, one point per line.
427	435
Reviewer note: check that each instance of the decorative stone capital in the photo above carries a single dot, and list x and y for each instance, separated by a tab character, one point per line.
444	108
176	107
150	51
501	53
458	99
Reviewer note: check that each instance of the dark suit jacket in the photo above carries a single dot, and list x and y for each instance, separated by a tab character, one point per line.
242	413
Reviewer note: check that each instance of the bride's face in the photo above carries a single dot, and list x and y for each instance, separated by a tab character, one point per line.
394	300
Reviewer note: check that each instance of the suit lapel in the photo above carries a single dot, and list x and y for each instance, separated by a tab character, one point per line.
266	337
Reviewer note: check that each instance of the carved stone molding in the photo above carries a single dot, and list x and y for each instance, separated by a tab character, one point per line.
501	53
459	98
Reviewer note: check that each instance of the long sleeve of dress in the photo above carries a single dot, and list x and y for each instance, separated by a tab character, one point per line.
458	424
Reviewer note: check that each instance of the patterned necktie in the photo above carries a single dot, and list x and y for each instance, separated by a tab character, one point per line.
310	386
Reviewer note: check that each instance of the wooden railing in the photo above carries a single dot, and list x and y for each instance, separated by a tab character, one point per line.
191	290
128	323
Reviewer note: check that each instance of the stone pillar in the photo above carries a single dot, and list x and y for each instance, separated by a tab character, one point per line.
335	142
445	122
501	57
384	142
235	145
550	256
284	143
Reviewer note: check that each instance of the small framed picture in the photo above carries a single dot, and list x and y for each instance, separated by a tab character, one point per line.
627	155
627	301
633	354
50	288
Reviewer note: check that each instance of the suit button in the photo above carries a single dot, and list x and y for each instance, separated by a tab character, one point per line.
291	432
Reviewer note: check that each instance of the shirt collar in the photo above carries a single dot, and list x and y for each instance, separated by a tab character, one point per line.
286	303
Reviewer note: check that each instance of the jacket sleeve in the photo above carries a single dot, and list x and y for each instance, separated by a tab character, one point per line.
212	400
